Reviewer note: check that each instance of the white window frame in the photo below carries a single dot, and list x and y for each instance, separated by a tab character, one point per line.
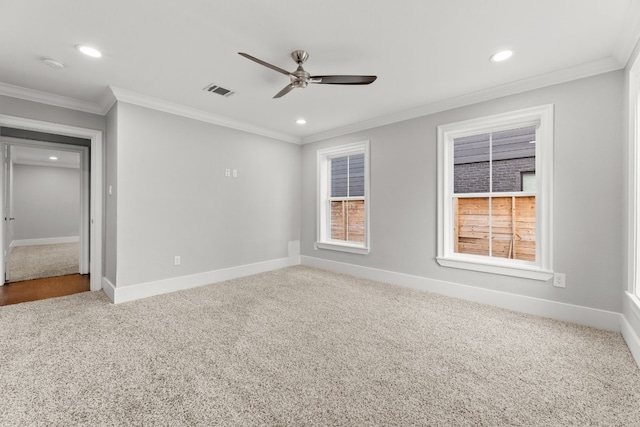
541	269
324	240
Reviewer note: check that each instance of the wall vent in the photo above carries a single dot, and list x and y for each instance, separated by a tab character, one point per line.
214	88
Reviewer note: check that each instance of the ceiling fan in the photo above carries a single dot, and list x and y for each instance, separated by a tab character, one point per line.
301	78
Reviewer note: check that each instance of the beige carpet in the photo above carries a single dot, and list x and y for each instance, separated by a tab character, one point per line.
304	347
38	261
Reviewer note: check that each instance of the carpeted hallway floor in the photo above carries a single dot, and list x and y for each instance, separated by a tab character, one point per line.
305	347
39	261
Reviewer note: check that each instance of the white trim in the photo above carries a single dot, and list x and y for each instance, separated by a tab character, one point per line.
85	211
633	163
56	146
49	99
506	270
107	101
96	203
342	247
96	225
47	164
45	241
629	34
130	97
630	324
542	118
601	66
557	77
630	338
634	304
323	241
108	288
195	114
148	289
540	307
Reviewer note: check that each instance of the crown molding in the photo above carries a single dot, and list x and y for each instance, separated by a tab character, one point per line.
613	63
117	94
107	101
629	34
129	97
574	73
49	98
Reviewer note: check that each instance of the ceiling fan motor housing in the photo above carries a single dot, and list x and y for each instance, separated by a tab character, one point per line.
300	78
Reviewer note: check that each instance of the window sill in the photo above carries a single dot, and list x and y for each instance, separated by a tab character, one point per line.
522	271
341	247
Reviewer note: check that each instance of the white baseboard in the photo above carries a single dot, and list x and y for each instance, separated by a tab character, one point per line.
108	288
630	325
631	338
144	290
45	241
556	310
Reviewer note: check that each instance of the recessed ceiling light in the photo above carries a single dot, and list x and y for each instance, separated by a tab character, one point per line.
301	121
53	63
53	158
502	56
90	51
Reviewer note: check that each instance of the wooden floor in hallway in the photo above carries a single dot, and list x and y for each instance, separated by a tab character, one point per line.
51	287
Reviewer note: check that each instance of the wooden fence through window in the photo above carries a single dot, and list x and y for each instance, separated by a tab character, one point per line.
347	220
512	226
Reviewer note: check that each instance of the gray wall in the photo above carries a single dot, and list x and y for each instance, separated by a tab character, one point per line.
111	200
587	194
173	197
48	113
33	110
46	202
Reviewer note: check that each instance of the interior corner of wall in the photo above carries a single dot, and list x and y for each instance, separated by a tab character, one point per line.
294	248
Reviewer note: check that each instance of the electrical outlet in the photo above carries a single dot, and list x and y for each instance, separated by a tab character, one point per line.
176	260
235	173
227	172
559	280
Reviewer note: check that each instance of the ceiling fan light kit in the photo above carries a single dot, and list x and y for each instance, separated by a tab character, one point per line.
301	78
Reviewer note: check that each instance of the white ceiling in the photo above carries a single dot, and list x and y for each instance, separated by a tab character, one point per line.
428	55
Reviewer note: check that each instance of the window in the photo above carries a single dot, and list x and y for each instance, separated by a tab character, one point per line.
343	198
494	193
528	181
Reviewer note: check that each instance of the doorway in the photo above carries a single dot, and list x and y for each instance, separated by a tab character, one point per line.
92	228
46	209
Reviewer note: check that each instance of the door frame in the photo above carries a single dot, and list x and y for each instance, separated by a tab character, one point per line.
83	151
95	226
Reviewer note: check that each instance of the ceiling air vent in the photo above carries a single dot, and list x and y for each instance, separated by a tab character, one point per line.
214	88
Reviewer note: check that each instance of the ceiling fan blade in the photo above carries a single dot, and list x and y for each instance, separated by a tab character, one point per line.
266	64
288	88
343	80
